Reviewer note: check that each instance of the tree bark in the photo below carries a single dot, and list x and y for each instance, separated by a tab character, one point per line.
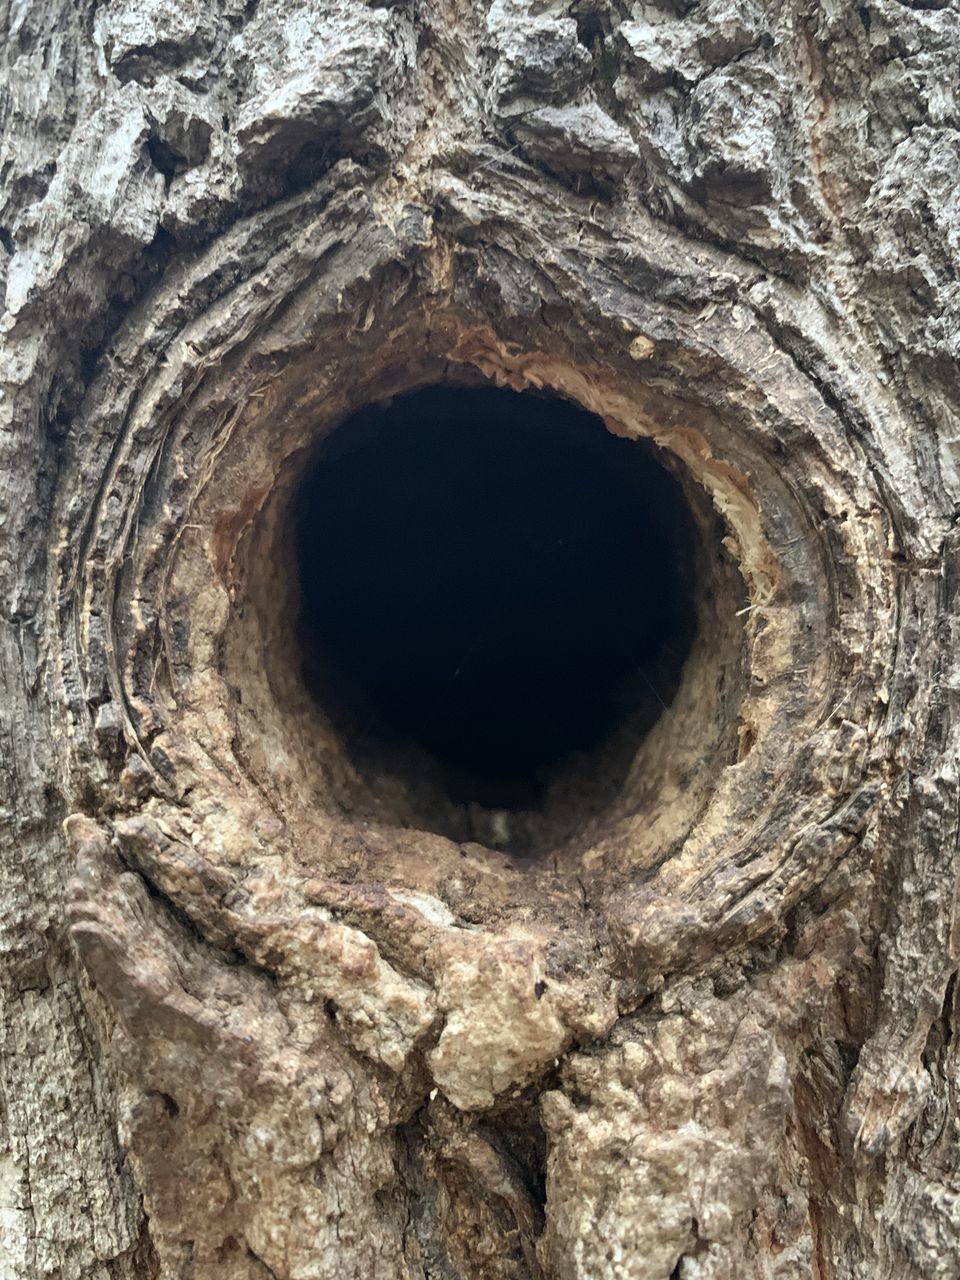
261	1013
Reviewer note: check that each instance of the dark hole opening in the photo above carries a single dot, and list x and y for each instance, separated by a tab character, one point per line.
492	584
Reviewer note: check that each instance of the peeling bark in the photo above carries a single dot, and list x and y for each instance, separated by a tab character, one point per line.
270	1010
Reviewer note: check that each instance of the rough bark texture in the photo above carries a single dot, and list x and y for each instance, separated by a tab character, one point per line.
255	1023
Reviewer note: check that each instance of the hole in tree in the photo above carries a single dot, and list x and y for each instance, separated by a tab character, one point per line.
494	591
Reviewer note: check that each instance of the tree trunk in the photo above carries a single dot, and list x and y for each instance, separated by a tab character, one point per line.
277	1001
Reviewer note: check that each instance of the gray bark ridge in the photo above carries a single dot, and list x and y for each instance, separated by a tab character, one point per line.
254	1021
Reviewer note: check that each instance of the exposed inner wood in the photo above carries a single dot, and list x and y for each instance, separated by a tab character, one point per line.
502	601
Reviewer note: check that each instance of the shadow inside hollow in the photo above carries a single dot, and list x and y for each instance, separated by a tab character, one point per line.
494	579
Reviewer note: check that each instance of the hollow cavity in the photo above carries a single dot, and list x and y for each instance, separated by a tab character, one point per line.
496	594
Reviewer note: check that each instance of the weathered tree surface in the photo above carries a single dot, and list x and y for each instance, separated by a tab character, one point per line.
260	1017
